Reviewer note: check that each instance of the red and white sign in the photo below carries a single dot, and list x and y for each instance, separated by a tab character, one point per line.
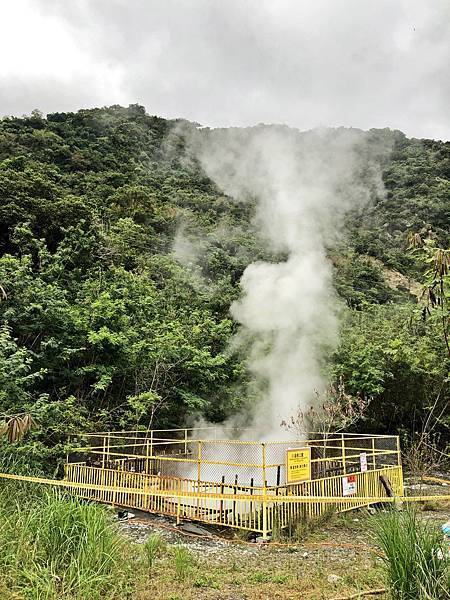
363	462
349	485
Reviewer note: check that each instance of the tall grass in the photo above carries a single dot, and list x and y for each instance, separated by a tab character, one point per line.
53	546
153	548
415	561
183	562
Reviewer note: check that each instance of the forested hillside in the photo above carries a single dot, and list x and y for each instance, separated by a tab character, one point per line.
119	260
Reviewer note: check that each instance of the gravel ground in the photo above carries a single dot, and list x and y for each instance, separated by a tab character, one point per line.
336	541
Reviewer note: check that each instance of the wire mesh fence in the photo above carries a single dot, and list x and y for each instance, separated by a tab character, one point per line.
233	482
175	453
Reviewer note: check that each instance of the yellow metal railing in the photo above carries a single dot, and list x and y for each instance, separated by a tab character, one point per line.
177	453
229	505
194	474
253	508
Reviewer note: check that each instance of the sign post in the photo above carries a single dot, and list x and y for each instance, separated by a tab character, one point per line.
298	464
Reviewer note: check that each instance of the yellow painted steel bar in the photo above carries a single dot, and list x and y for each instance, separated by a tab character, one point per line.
225	505
205	496
316	442
180	458
176	458
165	478
169	441
436	480
99	450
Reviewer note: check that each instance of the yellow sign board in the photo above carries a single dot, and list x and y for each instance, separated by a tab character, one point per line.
298	464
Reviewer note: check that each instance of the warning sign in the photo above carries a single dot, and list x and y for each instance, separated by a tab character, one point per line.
298	464
363	462
349	485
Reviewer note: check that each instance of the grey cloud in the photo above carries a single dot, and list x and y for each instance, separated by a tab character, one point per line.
306	63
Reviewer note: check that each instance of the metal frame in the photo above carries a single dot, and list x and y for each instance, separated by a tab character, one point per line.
234	483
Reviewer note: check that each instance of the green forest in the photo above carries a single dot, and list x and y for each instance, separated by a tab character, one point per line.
102	327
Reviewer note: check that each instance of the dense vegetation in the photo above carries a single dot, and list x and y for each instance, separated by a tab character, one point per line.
53	546
102	325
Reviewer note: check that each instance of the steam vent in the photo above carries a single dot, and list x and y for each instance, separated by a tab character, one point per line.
191	474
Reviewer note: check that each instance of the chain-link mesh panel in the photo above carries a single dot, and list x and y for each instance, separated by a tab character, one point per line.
387	451
232	462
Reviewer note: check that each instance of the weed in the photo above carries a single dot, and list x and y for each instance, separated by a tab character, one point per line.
429	506
280	578
241	534
59	547
414	560
306	526
234	566
153	548
259	577
205	581
277	534
183	561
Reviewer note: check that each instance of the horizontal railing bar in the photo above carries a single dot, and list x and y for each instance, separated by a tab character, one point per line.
328	437
263	498
99	450
162	442
169	478
179	459
166	478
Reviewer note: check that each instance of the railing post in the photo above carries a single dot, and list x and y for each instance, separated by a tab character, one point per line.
114	497
199	473
104	452
102	479
185	441
179	503
264	488
264	476
344	466
374	461
147	453
199	462
400	470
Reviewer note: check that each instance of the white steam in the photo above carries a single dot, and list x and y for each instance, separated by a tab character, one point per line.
302	186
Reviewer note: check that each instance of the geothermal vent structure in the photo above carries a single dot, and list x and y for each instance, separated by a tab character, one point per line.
189	474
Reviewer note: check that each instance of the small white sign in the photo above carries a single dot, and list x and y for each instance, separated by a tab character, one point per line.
349	485
363	462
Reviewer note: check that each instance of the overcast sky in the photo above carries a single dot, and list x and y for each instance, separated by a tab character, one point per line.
306	63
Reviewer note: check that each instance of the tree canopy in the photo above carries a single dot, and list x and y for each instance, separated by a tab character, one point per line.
109	318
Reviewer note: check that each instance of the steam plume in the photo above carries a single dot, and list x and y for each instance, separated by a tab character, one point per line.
302	186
